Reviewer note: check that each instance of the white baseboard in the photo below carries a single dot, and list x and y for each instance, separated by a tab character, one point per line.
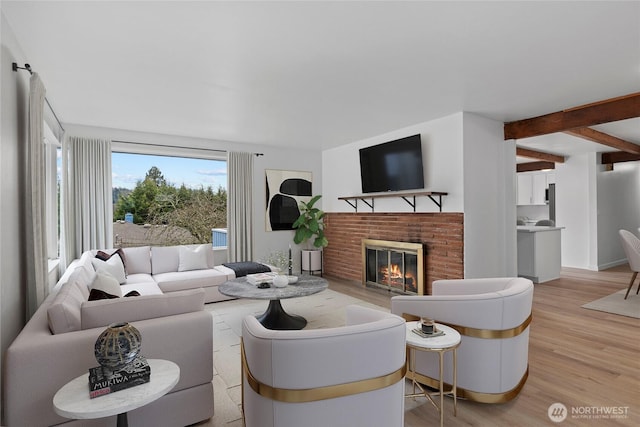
611	264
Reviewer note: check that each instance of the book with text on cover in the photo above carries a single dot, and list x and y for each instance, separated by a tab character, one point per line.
104	381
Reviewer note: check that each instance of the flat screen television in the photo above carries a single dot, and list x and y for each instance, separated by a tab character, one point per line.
392	166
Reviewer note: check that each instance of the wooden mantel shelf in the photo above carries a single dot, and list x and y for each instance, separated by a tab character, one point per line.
408	197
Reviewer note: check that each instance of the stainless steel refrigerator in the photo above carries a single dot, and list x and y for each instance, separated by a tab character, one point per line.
551	198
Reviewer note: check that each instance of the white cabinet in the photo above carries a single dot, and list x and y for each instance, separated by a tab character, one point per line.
525	189
532	187
539	254
539	187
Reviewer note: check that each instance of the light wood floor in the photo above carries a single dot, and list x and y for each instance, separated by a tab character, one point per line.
581	358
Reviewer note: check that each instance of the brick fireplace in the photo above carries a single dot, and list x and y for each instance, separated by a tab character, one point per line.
441	235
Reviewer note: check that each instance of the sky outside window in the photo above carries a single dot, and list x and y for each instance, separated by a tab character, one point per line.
128	169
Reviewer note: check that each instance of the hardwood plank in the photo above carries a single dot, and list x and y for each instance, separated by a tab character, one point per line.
578	357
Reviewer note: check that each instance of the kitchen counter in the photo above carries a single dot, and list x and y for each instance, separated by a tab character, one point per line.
539	252
536	228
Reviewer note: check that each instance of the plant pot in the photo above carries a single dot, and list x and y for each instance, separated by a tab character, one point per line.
311	260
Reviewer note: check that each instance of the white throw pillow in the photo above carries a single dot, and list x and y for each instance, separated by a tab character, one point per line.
105	282
112	266
192	259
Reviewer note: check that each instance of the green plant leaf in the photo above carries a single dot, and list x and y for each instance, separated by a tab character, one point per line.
309	224
299	221
313	200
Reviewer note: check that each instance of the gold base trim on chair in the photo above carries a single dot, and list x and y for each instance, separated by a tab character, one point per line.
319	393
482	333
475	396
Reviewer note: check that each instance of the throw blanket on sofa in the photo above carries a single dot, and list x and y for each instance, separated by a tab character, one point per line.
246	267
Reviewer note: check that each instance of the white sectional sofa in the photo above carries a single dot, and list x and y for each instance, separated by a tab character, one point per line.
57	343
163	269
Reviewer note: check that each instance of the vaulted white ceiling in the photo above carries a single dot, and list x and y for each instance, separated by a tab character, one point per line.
321	74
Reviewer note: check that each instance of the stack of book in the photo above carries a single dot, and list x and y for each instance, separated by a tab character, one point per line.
256	279
103	381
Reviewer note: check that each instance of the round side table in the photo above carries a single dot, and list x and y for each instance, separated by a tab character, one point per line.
72	400
449	341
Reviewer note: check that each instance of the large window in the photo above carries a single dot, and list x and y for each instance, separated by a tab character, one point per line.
52	158
163	200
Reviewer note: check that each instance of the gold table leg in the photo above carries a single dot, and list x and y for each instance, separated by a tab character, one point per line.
428	395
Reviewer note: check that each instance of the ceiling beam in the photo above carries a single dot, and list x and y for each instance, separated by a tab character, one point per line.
610	110
619	156
605	139
525	152
534	166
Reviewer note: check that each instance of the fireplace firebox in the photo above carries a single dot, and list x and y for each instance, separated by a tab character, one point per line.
396	266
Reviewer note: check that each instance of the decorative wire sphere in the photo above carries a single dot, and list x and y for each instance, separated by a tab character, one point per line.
118	345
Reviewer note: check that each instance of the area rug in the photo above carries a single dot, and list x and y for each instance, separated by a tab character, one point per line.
323	310
616	304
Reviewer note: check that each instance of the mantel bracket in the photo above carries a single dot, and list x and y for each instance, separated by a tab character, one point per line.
413	204
438	203
353	205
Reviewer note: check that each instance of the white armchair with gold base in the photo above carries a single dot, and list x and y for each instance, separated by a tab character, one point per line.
346	376
492	316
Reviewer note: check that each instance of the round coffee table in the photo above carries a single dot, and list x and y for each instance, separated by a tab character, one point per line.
275	317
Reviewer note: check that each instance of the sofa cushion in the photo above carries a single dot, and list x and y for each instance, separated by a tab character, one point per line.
144	288
113	266
132	279
192	258
177	281
101	313
64	312
165	259
138	260
104	283
105	255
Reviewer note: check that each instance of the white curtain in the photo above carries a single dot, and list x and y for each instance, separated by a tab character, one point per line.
87	201
239	206
35	222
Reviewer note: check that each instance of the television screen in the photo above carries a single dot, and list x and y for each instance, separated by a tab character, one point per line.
392	166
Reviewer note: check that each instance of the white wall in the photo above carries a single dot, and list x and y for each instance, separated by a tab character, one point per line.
576	197
442	160
618	208
490	244
593	204
532	212
14	90
273	158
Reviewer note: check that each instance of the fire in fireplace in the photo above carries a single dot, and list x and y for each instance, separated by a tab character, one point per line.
396	266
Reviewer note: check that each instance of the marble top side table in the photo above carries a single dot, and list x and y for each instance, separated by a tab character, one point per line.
72	400
450	341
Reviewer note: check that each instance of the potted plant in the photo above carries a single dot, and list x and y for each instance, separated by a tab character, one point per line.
310	231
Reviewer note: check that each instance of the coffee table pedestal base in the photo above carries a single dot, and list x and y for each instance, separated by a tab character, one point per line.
276	318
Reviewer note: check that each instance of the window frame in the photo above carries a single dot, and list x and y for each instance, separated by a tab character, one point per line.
52	148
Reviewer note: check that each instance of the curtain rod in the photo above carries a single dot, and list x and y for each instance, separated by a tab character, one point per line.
178	146
14	67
